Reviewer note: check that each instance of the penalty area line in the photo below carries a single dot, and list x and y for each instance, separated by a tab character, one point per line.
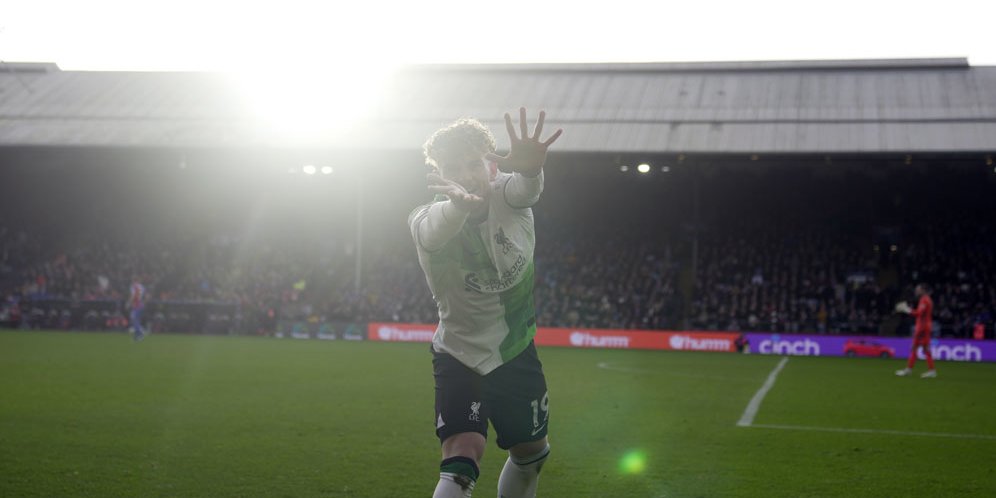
873	431
755	403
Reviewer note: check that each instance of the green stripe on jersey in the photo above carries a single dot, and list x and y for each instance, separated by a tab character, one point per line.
520	316
467	250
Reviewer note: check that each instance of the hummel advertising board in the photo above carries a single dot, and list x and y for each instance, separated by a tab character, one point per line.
579	338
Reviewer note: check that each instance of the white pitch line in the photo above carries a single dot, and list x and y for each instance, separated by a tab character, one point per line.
873	431
755	403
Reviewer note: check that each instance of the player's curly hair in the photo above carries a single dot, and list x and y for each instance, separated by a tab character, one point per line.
461	134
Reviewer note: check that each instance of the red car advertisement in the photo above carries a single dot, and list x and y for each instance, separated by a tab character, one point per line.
864	348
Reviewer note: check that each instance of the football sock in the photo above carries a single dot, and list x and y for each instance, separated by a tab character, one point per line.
457	476
520	476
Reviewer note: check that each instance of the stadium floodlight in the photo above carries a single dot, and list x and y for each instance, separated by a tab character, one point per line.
643	168
665	169
624	168
326	170
309	169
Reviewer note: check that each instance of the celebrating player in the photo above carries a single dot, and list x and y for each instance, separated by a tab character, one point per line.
475	244
921	332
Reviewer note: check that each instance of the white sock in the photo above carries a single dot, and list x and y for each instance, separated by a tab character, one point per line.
520	476
457	476
448	487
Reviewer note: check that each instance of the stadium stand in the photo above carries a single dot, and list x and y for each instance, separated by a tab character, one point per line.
778	251
813	196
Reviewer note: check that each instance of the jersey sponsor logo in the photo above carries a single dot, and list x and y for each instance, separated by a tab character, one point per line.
585	340
475	411
689	343
496	283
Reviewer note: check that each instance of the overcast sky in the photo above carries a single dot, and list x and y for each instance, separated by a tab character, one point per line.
231	36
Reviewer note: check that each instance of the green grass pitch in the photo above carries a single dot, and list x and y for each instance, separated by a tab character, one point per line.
96	415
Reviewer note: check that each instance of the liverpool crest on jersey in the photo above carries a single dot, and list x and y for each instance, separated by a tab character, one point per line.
502	240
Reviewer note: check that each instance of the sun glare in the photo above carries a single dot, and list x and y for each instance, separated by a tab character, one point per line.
312	104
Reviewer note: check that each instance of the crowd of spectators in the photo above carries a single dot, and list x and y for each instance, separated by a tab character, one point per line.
799	279
596	281
748	275
958	258
760	279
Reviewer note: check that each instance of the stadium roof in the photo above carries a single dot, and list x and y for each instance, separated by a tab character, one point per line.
863	106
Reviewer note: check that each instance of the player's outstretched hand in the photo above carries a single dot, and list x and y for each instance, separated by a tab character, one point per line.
463	200
526	154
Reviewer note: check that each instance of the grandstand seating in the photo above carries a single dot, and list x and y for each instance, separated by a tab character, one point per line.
775	252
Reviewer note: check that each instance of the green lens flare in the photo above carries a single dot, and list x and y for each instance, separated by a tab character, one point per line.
633	462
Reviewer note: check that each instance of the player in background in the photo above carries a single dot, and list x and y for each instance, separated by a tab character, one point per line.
921	331
475	243
136	303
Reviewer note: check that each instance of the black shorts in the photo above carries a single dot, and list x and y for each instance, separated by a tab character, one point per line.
513	397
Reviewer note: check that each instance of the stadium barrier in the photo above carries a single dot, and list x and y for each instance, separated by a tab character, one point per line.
840	345
727	342
111	315
580	338
723	342
319	330
223	318
400	332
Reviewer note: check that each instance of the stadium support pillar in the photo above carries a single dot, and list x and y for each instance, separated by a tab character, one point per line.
358	275
696	228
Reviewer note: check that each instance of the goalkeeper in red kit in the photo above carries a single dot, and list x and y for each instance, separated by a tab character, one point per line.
921	332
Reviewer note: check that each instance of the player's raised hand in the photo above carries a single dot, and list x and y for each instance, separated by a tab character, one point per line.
463	200
526	154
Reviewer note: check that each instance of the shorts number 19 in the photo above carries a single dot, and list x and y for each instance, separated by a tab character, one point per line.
538	405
